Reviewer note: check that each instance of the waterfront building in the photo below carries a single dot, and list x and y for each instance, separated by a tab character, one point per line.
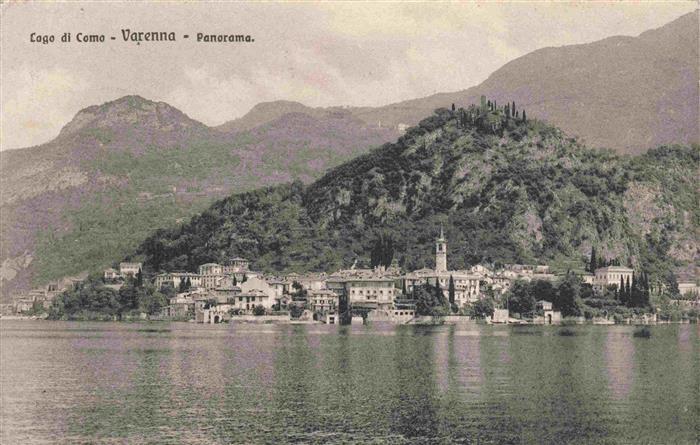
364	288
322	301
181	305
246	301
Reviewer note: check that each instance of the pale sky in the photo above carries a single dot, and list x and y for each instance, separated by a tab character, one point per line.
319	54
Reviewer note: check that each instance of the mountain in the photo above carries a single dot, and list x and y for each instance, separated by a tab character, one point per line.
121	169
505	190
624	93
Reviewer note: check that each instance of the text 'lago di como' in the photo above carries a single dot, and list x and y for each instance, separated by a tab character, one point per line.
137	37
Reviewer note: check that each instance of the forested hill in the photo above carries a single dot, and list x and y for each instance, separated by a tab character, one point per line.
505	188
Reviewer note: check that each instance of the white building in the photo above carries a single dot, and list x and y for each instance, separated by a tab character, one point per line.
605	276
129	269
687	287
111	274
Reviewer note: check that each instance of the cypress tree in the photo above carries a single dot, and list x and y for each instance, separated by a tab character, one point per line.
451	291
524	116
593	265
453	107
621	292
235	282
139	278
403	287
628	291
244	279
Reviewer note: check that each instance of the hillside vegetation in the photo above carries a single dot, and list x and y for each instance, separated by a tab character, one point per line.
505	188
121	169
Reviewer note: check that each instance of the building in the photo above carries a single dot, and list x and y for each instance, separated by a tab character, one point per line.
687	288
111	274
279	287
611	275
549	315
364	288
246	301
236	265
129	269
210	269
466	283
174	278
181	305
211	281
322	301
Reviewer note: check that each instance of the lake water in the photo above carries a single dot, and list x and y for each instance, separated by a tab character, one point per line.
65	382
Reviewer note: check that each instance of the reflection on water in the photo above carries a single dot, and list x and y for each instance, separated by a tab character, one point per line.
196	384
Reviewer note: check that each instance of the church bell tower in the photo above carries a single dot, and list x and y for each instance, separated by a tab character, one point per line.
441	253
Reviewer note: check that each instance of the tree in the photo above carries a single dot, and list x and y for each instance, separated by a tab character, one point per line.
128	298
524	116
403	288
382	253
628	293
259	310
168	290
430	301
569	296
453	107
139	278
621	293
483	308
295	311
153	303
593	265
451	291
520	299
235	282
244	279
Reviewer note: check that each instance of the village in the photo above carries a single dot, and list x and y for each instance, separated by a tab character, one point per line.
233	291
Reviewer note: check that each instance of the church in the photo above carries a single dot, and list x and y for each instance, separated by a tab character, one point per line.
466	283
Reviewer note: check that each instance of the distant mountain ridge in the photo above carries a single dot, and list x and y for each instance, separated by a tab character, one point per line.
624	93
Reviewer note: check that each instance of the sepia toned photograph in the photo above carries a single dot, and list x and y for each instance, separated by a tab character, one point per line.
350	222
